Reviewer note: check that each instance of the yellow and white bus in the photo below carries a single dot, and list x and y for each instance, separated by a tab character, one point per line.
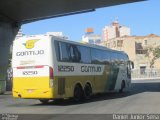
46	67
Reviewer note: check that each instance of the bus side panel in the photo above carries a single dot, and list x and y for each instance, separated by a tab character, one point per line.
69	84
123	76
112	77
108	80
101	81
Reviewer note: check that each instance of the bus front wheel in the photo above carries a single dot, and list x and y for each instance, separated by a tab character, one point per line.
122	87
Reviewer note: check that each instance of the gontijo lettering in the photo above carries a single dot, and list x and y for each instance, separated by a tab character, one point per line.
90	69
28	53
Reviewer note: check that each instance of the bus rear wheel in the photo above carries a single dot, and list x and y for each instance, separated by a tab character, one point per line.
87	91
78	93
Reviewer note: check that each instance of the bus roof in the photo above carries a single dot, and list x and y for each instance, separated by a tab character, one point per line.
59	38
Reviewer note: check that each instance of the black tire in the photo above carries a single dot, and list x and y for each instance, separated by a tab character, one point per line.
122	87
44	101
78	93
87	91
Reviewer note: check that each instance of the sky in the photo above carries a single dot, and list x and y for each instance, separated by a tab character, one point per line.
142	17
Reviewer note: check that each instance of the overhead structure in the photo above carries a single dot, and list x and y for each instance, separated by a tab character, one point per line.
31	10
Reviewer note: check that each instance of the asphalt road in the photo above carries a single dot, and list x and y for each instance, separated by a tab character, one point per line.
143	97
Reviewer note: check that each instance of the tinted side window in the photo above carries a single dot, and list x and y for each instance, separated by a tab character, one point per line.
74	53
112	57
106	56
116	56
121	57
96	56
56	44
85	54
64	52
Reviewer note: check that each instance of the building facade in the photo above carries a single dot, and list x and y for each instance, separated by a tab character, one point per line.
91	38
136	47
115	30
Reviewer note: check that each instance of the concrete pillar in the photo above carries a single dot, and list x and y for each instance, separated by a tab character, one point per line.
8	32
